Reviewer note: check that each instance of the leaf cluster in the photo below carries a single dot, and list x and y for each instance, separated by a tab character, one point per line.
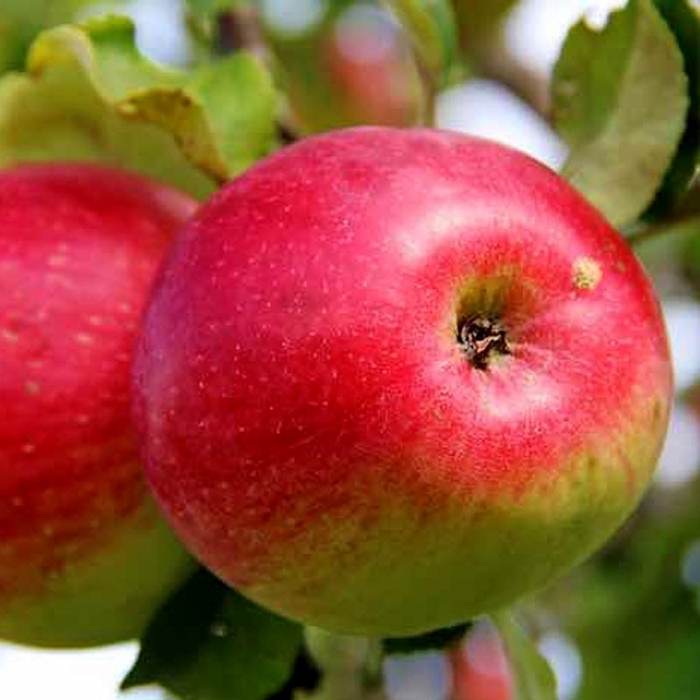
625	99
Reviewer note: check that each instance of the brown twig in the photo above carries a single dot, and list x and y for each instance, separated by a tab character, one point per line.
663	228
239	28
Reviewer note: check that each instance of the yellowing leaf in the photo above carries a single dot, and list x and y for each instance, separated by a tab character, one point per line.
58	116
89	93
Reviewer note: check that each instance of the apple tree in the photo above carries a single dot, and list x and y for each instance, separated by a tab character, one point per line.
287	400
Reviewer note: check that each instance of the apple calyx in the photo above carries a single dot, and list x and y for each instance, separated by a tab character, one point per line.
482	340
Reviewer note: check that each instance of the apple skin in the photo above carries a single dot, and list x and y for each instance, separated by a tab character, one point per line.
85	556
315	432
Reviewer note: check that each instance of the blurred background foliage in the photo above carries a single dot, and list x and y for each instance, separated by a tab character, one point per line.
626	624
20	22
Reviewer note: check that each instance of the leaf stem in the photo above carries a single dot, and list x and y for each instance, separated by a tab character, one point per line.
645	234
373	678
533	679
427	50
430	93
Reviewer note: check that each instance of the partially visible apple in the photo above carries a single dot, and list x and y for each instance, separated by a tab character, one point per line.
356	67
392	379
479	667
370	66
85	558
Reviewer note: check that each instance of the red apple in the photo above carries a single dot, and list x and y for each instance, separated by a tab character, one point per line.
355	68
369	63
391	379
479	667
85	558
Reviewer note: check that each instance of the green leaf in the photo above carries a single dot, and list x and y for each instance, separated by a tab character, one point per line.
684	21
305	679
438	639
532	676
56	115
209	643
620	102
22	20
221	116
477	19
433	31
207	7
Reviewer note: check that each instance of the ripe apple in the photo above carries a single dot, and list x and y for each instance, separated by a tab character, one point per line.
367	72
392	379
370	67
479	667
85	557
